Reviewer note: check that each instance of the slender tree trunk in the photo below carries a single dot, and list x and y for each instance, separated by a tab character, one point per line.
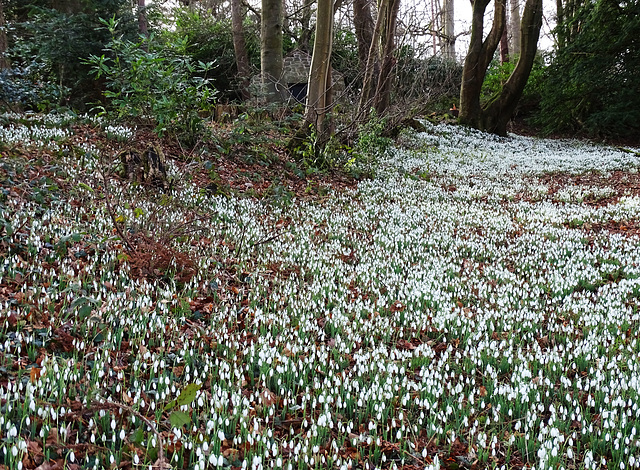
318	101
504	47
364	26
4	61
240	48
143	24
434	26
448	39
271	49
495	115
305	26
514	26
385	81
369	82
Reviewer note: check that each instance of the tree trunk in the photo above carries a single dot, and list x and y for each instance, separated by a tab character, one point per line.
305	27
560	25
364	26
448	39
271	49
514	26
504	47
143	24
385	80
318	101
369	81
376	88
495	115
240	48
4	62
478	58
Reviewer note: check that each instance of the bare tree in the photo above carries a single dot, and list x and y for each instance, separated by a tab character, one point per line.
318	98
448	38
240	48
364	26
494	116
376	90
514	26
271	48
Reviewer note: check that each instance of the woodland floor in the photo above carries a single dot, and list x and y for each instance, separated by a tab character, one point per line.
475	304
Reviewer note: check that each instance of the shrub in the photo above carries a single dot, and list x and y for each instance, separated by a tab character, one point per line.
156	86
498	74
207	39
47	46
593	82
24	87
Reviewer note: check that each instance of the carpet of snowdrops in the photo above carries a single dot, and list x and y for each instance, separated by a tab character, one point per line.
452	312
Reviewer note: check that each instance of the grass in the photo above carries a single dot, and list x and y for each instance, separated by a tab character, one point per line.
460	320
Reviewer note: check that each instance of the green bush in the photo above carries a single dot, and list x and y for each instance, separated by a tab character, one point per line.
25	88
593	82
154	85
498	74
207	39
47	48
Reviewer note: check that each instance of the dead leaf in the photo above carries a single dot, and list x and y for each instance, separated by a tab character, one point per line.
52	437
268	397
405	345
35	374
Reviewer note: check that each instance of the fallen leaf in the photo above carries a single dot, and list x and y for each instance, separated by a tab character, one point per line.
35	374
268	397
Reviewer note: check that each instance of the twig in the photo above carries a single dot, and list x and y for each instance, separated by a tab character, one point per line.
112	215
108	404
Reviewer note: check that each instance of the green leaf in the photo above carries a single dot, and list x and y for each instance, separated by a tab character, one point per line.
188	394
84	311
179	419
137	436
85	186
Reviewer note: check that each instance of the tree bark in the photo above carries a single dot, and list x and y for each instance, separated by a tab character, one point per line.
478	58
559	25
376	88
4	61
504	47
318	98
305	27
514	26
271	49
364	26
495	115
240	49
369	82
143	24
448	39
385	80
